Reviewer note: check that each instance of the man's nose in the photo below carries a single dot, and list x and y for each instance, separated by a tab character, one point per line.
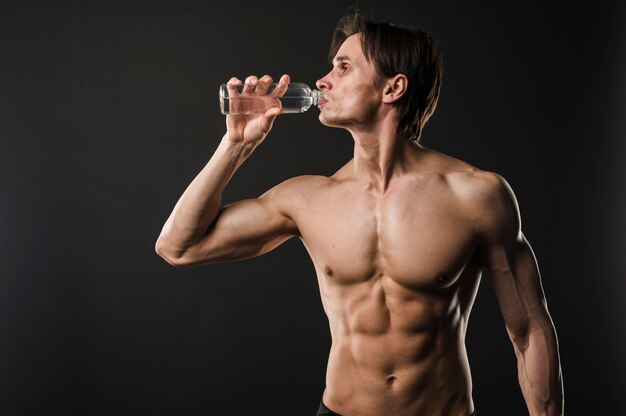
322	84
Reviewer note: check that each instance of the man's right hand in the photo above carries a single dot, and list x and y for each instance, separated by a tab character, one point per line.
251	129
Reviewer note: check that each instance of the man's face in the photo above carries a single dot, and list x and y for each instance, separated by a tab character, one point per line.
351	97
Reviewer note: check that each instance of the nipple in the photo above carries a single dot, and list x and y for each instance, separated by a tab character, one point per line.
328	271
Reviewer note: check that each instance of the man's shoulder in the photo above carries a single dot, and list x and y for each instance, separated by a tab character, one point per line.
298	190
481	192
466	180
474	184
336	182
487	198
304	182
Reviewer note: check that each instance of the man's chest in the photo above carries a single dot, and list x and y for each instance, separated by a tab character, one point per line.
417	240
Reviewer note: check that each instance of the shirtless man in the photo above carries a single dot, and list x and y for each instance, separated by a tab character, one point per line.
398	236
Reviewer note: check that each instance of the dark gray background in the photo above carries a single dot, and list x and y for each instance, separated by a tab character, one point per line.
109	109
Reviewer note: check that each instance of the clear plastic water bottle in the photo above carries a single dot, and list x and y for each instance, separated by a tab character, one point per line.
298	98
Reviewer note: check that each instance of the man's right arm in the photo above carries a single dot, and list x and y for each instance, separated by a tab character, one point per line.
199	230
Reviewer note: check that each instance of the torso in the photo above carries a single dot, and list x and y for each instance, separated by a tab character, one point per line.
397	273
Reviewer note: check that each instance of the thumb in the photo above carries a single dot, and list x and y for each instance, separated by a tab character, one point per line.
268	119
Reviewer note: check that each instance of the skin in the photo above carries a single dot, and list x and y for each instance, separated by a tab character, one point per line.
398	236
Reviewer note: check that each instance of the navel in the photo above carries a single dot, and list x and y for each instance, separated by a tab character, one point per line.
391	380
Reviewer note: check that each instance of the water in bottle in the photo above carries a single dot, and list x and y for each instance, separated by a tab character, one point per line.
298	98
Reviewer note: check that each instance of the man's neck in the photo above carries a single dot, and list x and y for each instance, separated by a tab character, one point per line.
382	155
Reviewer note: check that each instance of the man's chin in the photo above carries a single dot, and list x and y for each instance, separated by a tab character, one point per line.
329	121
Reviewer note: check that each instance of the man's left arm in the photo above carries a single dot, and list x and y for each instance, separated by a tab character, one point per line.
509	259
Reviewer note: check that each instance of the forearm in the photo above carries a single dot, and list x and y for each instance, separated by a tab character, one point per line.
540	372
200	204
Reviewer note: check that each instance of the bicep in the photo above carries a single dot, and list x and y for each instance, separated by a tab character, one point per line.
243	230
517	284
508	257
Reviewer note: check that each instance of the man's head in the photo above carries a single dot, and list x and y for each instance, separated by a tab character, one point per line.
397	50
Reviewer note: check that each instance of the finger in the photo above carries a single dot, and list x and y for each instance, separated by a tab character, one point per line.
264	83
281	87
250	84
232	86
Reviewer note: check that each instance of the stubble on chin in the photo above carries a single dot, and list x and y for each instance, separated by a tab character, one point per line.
329	119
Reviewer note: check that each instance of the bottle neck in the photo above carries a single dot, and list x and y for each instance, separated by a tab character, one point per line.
316	95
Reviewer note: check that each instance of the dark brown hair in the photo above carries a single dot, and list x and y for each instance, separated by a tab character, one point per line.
399	50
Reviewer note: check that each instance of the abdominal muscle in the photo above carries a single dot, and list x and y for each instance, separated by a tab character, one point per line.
395	351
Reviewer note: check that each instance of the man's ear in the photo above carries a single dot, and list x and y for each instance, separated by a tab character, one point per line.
395	88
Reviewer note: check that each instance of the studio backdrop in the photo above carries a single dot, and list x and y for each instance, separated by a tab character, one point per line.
108	109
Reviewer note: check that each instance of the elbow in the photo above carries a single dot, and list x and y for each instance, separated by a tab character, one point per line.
173	256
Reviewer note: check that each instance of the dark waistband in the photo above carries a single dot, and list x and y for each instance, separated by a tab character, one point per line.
325	411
